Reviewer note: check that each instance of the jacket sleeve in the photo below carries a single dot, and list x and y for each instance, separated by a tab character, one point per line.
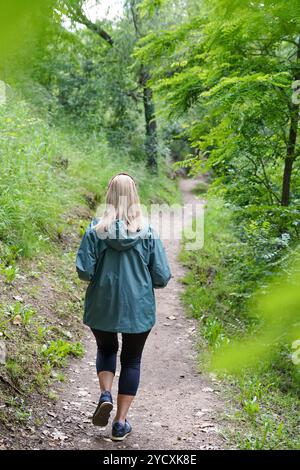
86	258
158	263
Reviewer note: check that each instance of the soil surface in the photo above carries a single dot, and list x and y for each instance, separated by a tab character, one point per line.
176	407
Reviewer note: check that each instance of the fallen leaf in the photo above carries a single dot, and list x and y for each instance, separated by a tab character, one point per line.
58	435
17	320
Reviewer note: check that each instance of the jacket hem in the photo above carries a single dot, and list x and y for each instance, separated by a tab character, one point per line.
119	330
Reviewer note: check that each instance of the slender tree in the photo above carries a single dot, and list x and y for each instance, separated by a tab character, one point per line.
292	139
149	108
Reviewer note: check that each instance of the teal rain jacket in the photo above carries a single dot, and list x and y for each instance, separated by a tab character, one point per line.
122	271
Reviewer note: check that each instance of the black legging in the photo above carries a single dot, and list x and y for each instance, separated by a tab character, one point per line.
131	354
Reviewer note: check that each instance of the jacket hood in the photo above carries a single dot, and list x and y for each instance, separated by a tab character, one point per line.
119	238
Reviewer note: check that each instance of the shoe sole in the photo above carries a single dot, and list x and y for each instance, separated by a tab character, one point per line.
102	414
120	438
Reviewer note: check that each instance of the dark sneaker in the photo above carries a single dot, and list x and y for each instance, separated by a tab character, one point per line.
102	413
120	430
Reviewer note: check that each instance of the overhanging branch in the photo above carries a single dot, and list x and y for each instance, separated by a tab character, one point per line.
96	28
77	14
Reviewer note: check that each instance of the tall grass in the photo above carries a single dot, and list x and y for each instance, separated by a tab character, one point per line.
29	186
49	168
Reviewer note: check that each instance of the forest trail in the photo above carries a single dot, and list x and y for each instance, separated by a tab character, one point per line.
175	408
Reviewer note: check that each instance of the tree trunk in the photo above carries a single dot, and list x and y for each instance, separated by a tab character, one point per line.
291	145
288	165
150	121
149	109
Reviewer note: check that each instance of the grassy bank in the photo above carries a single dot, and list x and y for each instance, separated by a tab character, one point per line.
52	177
47	169
220	283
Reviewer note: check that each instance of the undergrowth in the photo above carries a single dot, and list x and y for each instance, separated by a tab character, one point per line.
221	280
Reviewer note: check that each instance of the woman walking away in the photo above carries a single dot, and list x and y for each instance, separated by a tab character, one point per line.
123	259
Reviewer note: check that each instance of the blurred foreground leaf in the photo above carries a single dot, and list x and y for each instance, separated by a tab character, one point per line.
279	315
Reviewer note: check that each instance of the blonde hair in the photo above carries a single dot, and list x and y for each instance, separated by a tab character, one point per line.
122	202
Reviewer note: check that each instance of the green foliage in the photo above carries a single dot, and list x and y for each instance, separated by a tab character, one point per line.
14	368
231	75
279	323
150	6
9	272
57	351
29	184
215	284
201	188
46	170
91	82
24	26
19	313
247	305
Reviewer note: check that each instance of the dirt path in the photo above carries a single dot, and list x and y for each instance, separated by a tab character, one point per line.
176	407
